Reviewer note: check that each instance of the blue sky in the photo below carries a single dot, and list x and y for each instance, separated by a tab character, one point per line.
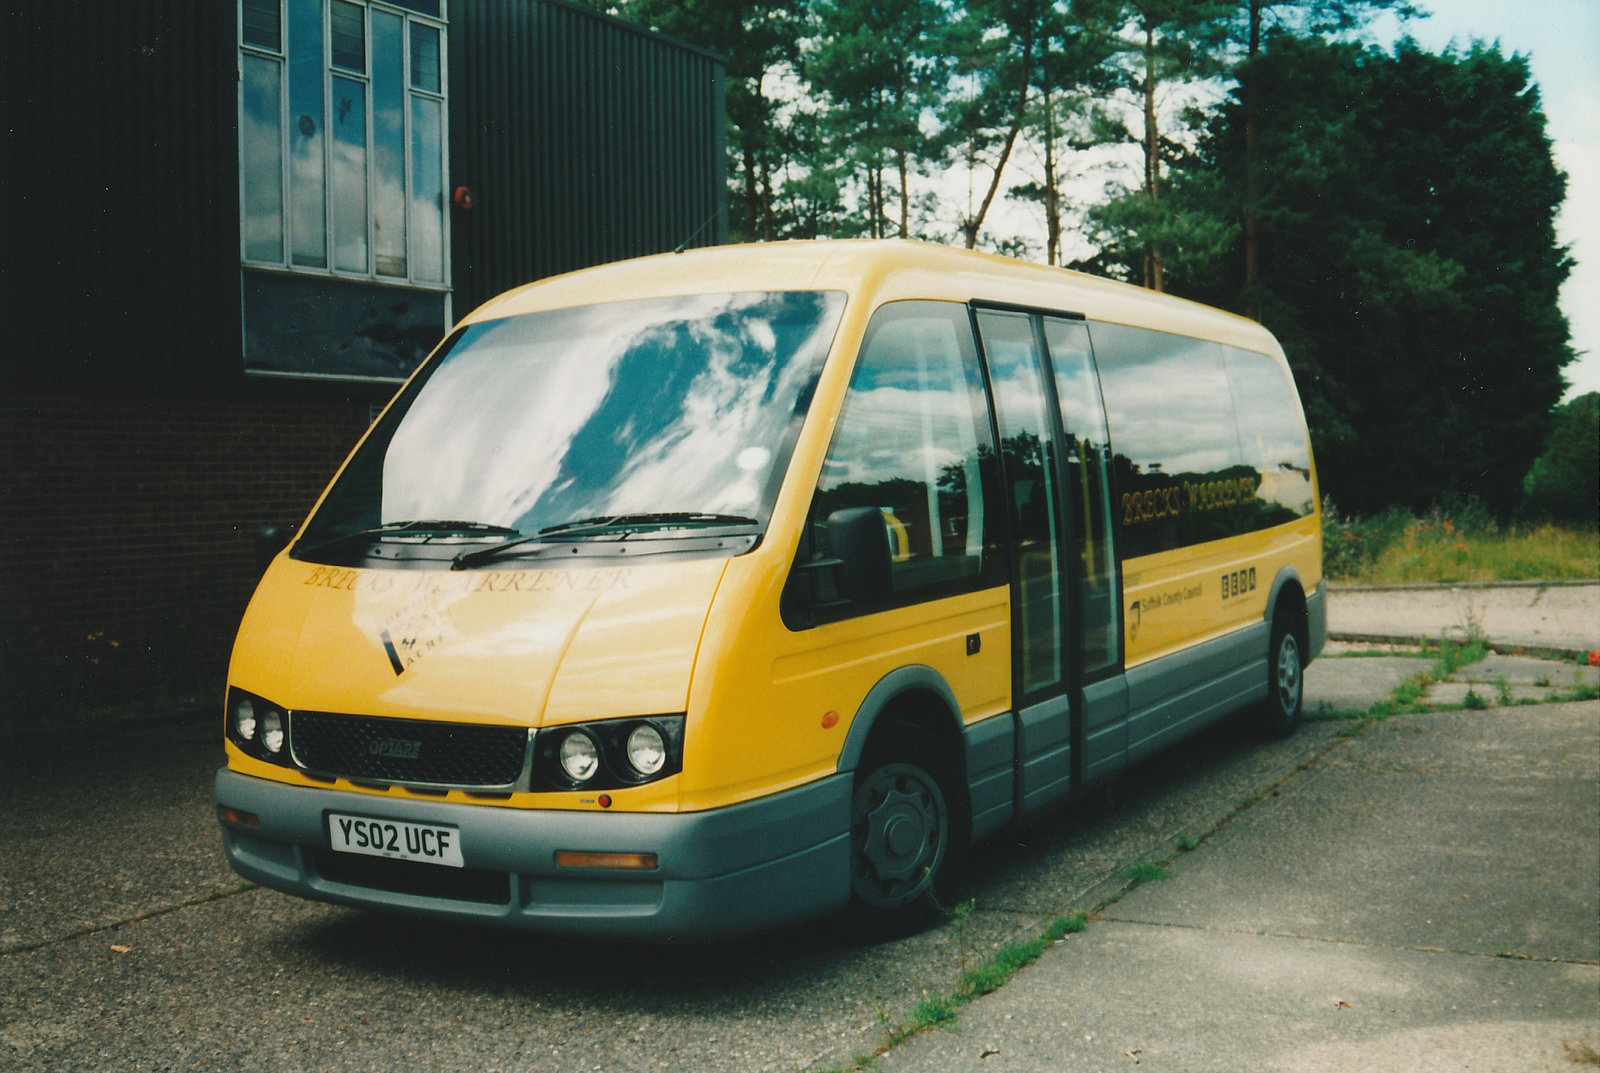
1561	39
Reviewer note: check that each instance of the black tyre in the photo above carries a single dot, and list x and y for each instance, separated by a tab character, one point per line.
907	832
1279	714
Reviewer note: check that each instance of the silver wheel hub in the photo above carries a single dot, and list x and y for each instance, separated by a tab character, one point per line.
1289	674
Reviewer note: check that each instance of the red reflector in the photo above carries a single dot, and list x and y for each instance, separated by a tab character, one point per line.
238	816
569	858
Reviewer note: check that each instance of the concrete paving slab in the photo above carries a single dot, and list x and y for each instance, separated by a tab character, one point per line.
1356	683
1547	616
1423	897
1124	997
1465	831
1524	670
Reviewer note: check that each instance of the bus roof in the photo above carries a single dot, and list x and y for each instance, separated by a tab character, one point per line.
878	271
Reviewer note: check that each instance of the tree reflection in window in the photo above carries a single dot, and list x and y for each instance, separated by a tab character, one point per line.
913	441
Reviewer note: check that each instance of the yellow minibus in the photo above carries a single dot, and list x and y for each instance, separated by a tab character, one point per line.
713	591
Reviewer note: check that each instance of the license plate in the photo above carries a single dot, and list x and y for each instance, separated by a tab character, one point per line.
396	839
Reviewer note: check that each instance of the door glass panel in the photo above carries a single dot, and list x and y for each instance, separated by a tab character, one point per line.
427	189
349	175
388	144
1028	468
424	58
307	182
262	25
1086	453
261	159
348	36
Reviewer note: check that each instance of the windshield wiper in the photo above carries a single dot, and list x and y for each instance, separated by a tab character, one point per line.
424	528
606	524
664	519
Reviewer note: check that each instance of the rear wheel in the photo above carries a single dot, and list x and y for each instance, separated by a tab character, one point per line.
1279	714
906	832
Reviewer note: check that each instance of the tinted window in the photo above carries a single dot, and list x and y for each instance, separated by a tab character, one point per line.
913	442
1272	435
1087	490
1029	467
1180	476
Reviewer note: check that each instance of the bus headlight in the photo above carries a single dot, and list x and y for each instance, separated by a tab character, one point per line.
608	754
646	750
257	727
244	719
272	731
579	757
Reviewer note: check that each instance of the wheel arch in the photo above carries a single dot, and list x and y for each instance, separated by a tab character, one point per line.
915	694
1288	597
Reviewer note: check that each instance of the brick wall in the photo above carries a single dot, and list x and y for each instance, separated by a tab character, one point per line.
127	532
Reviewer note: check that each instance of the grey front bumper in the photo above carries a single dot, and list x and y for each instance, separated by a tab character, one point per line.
742	868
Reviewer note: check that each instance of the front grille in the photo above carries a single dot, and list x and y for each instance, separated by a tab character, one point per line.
409	751
409	877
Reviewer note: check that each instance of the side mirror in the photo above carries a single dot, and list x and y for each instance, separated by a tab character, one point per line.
270	540
859	538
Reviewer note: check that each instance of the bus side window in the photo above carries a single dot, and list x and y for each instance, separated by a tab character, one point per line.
913	442
1273	436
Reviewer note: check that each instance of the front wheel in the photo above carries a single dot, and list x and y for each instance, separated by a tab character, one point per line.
1279	714
905	834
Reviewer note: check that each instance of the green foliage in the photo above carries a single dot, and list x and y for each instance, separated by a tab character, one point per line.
1445	545
1145	872
1408	262
877	67
1562	484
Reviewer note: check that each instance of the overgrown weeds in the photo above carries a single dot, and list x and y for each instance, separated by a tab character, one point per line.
1455	544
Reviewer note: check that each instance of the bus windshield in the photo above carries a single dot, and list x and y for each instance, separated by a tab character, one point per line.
660	415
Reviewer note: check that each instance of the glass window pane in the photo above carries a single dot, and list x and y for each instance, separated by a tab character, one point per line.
346	22
912	441
424	57
678	405
1273	437
262	24
427	190
307	192
349	175
1177	467
1087	455
1028	468
388	144
261	159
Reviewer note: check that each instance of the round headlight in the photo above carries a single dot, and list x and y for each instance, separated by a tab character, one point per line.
647	750
272	730
244	720
579	757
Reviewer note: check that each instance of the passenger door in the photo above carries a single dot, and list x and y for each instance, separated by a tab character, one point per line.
1095	632
1030	466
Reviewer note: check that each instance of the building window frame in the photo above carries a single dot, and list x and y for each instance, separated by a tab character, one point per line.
270	195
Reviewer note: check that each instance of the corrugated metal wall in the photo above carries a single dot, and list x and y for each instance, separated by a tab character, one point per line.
583	139
119	177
